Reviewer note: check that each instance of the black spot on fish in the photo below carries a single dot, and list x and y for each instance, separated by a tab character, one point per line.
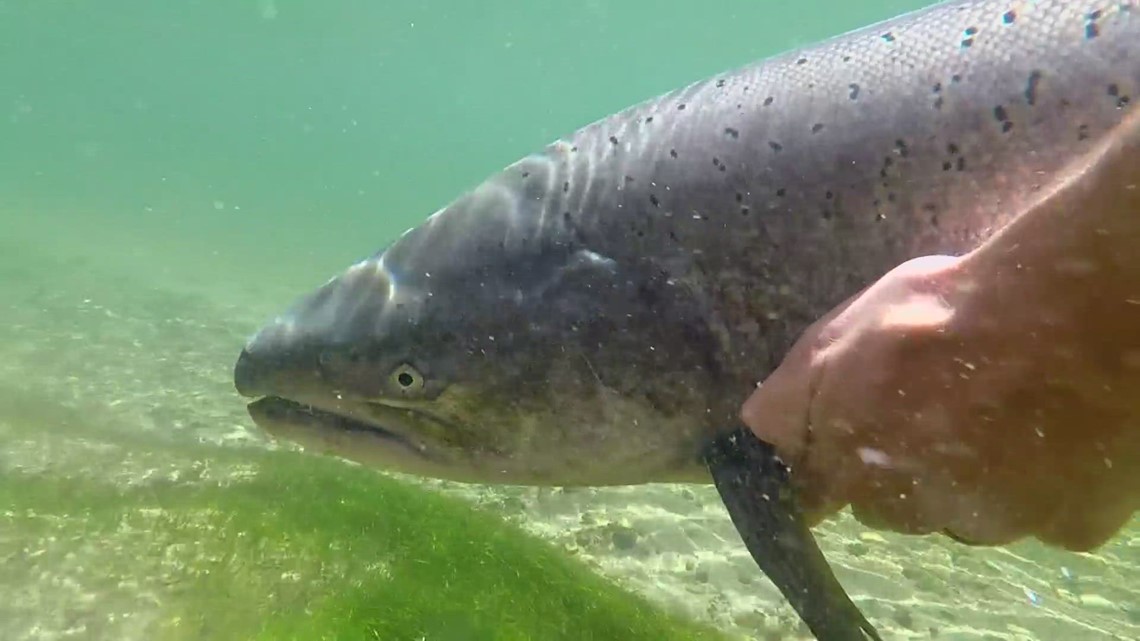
829	195
681	107
649	119
777	147
888	37
947	165
628	179
887	162
1092	30
900	146
801	61
768	101
566	187
613	140
1009	16
952	149
938	102
720	83
673	153
817	127
526	174
937	88
1031	87
853	94
739	197
956	78
781	192
1083	132
967	43
1121	100
1002	116
574	149
846	58
743	211
732	133
961	163
971	31
654	201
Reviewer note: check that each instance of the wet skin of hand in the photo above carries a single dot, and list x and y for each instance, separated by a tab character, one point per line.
992	397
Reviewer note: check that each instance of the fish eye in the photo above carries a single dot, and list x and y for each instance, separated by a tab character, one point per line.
407	379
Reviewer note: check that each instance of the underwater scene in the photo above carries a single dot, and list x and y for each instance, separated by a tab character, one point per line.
174	176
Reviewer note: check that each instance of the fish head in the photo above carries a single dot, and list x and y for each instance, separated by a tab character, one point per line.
491	345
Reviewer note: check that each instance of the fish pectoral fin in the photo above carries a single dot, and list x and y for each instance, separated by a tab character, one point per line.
754	485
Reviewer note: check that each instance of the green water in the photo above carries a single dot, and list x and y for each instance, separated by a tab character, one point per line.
173	173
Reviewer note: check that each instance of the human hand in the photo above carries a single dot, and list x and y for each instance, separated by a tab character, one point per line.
990	397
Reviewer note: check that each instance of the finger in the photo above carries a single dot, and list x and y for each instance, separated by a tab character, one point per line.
777	412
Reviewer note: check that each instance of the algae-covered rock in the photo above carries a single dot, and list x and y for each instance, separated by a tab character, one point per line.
216	543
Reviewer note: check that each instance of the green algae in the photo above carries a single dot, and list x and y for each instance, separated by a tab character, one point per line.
254	544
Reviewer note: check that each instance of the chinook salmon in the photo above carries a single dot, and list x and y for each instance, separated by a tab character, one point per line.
597	312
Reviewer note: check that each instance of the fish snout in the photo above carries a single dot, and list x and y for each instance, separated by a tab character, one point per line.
247	375
263	358
289	353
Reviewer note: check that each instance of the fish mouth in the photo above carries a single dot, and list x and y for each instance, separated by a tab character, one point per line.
280	416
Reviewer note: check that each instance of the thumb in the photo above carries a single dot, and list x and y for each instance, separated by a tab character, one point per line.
777	412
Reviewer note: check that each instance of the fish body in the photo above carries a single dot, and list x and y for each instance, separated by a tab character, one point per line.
596	313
